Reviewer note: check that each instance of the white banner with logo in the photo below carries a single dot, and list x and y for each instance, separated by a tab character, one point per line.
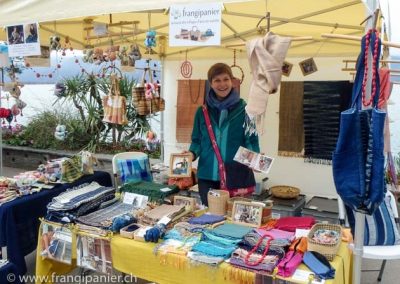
23	40
195	25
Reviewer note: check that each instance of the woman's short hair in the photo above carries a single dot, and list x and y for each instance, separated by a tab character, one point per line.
218	69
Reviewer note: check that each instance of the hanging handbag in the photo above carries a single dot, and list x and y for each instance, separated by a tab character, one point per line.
145	104
358	160
114	105
234	177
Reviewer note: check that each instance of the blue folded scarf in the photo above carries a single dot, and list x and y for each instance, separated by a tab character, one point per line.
319	265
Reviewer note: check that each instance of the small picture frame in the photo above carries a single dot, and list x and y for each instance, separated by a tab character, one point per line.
56	242
247	213
286	68
308	66
189	202
180	165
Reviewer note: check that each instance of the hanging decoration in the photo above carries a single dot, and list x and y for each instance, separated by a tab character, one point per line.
150	42
60	132
237	66
186	67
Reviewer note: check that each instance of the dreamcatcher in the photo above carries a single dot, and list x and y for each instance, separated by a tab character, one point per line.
186	68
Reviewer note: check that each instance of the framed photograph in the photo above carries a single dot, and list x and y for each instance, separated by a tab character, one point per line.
308	66
247	213
263	164
180	165
189	202
286	68
56	243
94	253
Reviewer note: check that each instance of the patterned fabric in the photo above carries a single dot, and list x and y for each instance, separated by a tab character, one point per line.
321	107
228	230
71	169
155	191
76	196
206	219
134	170
380	227
291	132
114	105
104	218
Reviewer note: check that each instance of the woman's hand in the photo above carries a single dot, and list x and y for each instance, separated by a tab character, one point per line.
191	154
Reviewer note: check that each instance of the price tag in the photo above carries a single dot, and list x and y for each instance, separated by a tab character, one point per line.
164	220
129	198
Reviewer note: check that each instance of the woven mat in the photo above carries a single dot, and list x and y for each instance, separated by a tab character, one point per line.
323	102
291	135
190	97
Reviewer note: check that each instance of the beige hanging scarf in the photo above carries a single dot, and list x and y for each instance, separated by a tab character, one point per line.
266	56
114	104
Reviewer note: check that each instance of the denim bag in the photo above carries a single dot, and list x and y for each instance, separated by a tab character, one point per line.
358	160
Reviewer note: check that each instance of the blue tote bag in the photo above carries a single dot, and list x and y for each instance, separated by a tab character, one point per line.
358	160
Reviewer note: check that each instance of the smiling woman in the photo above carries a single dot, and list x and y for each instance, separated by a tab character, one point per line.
227	112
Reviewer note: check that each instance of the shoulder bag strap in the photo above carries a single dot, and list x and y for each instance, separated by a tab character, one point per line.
221	166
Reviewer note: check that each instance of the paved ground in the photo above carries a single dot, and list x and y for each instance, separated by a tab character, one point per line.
368	277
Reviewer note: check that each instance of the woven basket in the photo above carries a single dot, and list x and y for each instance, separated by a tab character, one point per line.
217	204
328	250
284	191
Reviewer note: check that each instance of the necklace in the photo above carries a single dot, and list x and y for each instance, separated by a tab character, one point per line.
374	62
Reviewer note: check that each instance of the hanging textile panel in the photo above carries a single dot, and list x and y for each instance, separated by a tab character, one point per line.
291	133
322	104
190	96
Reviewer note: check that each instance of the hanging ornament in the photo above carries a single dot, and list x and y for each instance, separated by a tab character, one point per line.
9	119
61	132
20	104
237	66
150	42
15	111
186	68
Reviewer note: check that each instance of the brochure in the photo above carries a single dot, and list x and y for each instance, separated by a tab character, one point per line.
254	160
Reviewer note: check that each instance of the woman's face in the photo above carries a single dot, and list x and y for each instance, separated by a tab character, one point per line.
222	85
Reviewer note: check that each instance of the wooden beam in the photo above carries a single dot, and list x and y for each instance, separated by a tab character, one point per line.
358	38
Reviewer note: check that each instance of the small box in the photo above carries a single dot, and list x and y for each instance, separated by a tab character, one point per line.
287	207
129	231
323	209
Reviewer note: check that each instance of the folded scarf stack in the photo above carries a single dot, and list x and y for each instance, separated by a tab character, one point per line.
156	192
318	264
78	201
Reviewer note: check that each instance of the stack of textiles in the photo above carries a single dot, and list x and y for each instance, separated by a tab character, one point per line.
156	192
171	211
110	217
180	239
261	250
219	243
78	201
207	219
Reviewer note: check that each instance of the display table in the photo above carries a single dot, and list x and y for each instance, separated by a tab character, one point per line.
137	258
19	219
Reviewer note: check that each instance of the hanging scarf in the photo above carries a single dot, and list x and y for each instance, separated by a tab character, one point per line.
266	56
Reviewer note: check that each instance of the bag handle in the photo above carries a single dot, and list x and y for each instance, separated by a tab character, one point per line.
370	41
221	166
114	88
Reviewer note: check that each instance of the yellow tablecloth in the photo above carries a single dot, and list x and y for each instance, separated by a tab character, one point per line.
138	259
